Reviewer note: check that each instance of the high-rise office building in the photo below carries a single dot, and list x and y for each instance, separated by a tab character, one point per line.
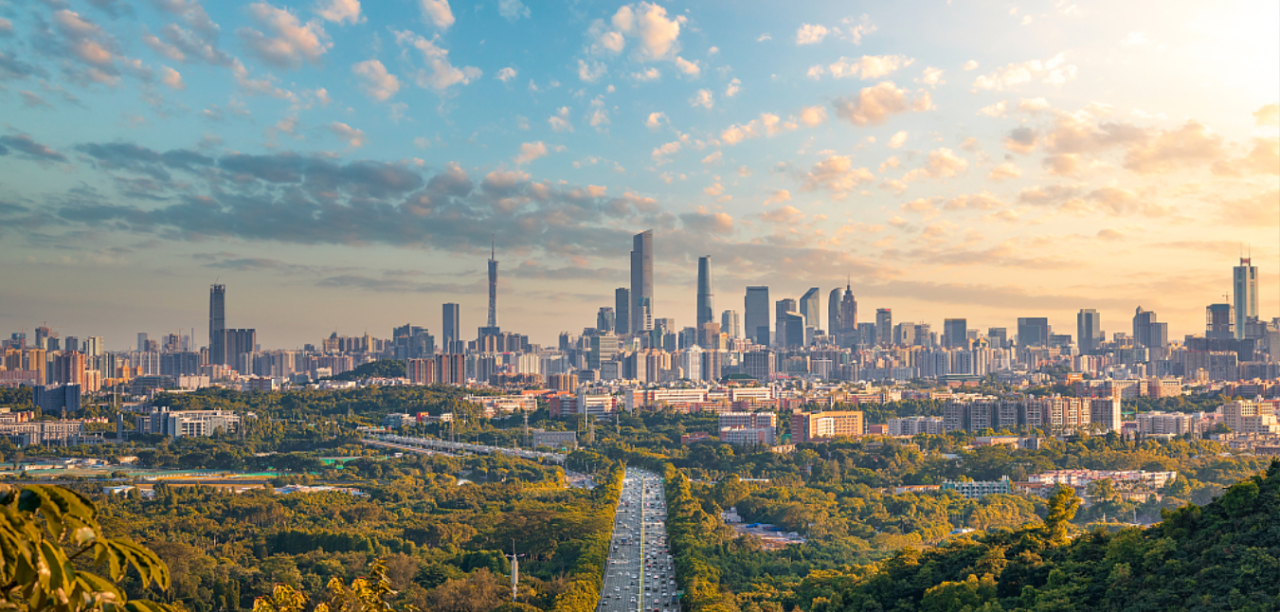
1033	331
833	313
848	317
791	326
1220	322
1089	332
605	320
642	281
884	326
451	324
756	306
1142	322
955	333
781	309
809	307
622	310
1244	282
998	337
43	333
731	324
142	342
706	309
217	324
493	286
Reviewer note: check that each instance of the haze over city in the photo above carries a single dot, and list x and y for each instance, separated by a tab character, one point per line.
344	167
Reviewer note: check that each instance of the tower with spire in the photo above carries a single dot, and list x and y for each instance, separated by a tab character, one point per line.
493	282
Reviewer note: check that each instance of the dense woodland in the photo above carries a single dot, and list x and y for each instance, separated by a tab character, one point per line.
443	541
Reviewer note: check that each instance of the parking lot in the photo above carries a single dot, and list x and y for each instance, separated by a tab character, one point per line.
640	575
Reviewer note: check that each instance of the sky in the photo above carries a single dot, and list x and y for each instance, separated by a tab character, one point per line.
341	166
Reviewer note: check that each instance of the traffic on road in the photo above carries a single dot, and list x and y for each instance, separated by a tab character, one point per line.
640	575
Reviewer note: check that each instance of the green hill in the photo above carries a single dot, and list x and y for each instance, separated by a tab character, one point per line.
1221	556
383	368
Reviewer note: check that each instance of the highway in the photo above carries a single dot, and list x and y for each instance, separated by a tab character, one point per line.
458	447
639	576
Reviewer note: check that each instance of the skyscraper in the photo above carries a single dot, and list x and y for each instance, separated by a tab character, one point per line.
218	324
1089	330
605	320
622	310
884	326
1220	322
452	326
809	308
706	310
731	324
1142	321
1033	331
782	308
1245	284
493	286
956	332
833	313
641	281
142	342
848	317
756	318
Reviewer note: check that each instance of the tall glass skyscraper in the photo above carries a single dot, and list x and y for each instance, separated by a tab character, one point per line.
641	281
810	308
1088	330
622	310
706	309
451	323
1244	279
756	316
218	324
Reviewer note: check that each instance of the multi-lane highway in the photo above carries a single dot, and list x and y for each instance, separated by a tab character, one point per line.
463	447
640	576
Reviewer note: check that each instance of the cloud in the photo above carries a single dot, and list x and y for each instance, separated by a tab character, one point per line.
837	175
662	154
506	74
734	87
714	190
170	77
702	98
778	196
691	69
942	163
873	105
591	72
339	11
648	74
1054	72
971	65
932	76
437	12
354	137
655	120
1264	158
976	201
530	151
810	34
1033	105
995	110
23	145
1004	171
783	215
1191	144
375	80
1021	140
290	43
599	115
714	158
1259	210
898	140
768	124
560	121
439	75
1062	164
868	67
1267	115
703	221
813	116
33	100
512	10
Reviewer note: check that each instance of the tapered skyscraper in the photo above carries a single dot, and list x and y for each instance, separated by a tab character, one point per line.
642	281
706	310
217	324
493	286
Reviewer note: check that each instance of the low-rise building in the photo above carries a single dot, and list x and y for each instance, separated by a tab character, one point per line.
977	489
748	435
188	423
553	439
43	433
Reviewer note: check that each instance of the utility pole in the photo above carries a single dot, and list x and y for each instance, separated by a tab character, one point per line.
526	428
515	570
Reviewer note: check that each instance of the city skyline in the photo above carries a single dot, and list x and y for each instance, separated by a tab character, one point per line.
339	166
